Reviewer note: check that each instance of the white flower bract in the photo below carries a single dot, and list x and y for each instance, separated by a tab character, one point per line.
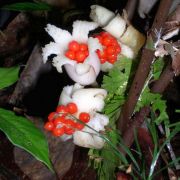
85	73
90	100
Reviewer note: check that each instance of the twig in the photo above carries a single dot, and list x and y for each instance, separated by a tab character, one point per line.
139	117
161	84
144	67
130	8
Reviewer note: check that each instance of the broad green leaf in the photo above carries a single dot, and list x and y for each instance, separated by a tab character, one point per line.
28	6
8	76
25	135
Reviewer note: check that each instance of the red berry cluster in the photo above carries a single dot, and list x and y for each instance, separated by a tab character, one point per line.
77	52
111	48
59	123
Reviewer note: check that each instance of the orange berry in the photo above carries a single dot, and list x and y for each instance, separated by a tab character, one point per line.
83	47
58	131
72	108
70	54
84	117
80	56
51	116
73	46
110	50
49	126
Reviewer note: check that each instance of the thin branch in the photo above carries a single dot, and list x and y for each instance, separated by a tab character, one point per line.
144	67
130	8
161	84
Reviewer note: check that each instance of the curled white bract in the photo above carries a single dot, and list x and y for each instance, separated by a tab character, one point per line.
83	73
90	100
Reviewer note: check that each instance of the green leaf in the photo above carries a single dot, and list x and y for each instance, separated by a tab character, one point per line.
28	6
117	79
8	76
25	135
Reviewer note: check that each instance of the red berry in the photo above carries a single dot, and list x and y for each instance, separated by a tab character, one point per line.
80	56
51	116
101	54
118	49
62	109
112	58
79	126
69	131
70	54
110	50
83	47
58	131
84	117
114	42
107	41
59	120
86	53
102	60
72	108
49	126
73	46
69	127
70	123
112	61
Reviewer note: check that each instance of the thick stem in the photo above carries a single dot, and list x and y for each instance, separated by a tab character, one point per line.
161	84
130	8
139	117
144	67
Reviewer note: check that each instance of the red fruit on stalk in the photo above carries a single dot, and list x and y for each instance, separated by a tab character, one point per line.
73	46
112	58
118	49
80	56
86	53
70	54
70	123
58	131
72	108
49	126
102	60
62	109
69	127
84	117
79	126
51	116
69	131
107	41
101	54
83	47
110	50
59	120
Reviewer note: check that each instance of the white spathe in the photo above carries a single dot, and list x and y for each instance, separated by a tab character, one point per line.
84	73
90	100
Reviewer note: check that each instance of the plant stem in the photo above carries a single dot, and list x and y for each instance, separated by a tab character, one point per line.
161	84
143	68
130	8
